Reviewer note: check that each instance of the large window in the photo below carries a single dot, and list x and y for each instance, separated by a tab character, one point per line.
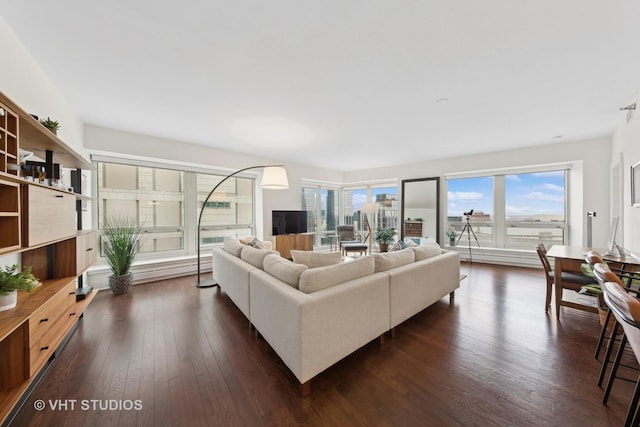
535	209
513	211
229	211
158	200
352	215
152	197
323	211
329	207
387	200
470	210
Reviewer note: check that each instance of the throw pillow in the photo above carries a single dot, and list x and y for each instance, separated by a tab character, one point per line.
387	261
427	251
283	269
232	246
255	256
411	243
315	279
395	247
315	259
253	241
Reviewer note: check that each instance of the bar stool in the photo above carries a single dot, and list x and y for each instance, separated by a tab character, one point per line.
603	274
626	310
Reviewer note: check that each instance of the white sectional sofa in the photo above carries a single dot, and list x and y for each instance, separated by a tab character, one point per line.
314	317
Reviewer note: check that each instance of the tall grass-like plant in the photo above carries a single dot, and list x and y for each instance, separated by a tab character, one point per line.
121	243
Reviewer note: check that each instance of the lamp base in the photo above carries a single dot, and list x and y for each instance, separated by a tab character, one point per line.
206	284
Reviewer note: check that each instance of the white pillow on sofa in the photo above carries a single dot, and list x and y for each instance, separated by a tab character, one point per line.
388	260
283	269
255	256
315	259
427	251
315	279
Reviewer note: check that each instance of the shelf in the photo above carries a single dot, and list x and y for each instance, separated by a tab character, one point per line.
45	217
36	138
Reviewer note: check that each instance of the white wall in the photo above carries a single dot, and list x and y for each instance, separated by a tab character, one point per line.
28	86
626	146
588	180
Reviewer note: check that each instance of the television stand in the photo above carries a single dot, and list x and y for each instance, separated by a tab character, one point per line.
285	243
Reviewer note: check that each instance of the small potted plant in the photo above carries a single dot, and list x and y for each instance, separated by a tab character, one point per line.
384	236
50	124
451	234
12	280
120	248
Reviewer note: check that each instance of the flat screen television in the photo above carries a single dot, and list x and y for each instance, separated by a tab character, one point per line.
288	222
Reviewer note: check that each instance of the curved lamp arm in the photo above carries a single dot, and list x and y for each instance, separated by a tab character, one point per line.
209	283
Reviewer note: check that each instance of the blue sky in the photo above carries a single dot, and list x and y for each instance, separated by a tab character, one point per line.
525	194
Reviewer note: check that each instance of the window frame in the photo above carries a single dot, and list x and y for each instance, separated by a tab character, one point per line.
190	209
499	223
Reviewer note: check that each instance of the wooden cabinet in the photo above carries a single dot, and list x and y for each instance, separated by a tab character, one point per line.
285	243
47	215
86	250
413	228
49	324
41	223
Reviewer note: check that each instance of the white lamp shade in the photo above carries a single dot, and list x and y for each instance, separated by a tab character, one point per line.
369	208
275	178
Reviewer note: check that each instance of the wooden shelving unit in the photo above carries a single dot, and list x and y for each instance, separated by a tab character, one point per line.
40	222
413	229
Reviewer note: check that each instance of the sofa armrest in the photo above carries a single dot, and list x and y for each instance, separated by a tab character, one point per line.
232	275
414	287
311	332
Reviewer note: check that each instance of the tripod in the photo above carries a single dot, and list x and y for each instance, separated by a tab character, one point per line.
469	230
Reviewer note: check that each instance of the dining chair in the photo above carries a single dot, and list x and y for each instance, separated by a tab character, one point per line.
570	280
626	310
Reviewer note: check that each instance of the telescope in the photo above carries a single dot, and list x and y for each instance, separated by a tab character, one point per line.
469	213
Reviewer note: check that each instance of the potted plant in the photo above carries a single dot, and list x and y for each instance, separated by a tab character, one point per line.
11	281
50	124
384	236
120	247
451	234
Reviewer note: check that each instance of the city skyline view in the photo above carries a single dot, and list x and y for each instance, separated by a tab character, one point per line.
539	195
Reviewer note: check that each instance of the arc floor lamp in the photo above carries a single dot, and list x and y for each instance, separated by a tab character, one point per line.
274	177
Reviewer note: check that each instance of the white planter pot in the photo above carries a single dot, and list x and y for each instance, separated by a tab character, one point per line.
7	302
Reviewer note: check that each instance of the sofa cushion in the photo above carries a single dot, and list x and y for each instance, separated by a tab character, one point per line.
255	256
283	269
315	279
427	251
232	246
315	259
388	260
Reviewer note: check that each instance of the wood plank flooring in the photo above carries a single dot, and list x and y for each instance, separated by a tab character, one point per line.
493	357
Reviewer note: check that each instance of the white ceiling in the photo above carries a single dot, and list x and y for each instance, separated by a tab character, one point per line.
345	84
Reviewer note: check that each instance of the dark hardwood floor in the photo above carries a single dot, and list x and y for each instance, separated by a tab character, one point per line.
492	357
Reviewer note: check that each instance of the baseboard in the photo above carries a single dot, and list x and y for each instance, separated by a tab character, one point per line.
151	270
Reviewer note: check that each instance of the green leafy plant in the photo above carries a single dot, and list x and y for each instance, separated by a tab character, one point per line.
419	219
120	245
50	124
451	234
13	280
385	235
